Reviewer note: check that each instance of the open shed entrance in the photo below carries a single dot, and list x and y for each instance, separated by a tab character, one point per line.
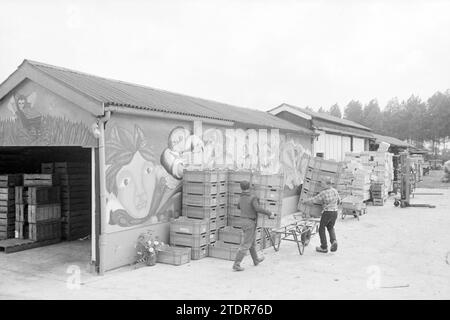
46	203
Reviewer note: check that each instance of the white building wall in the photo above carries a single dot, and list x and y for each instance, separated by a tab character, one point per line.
335	146
358	144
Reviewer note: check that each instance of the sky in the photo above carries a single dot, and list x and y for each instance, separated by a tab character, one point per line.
255	54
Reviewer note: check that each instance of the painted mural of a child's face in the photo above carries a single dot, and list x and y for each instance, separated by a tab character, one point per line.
136	183
132	176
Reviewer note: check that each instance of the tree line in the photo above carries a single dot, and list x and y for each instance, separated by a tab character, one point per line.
412	120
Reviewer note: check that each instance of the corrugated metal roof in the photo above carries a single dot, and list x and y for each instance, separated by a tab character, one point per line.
391	140
330	118
130	95
338	128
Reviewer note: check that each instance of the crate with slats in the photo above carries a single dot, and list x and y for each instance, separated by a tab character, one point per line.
45	230
10	180
199	212
200	188
200	176
44	212
35	180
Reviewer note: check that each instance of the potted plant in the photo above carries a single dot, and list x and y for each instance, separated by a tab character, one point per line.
147	249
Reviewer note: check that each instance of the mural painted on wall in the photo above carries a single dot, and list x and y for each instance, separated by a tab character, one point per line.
144	171
33	116
140	188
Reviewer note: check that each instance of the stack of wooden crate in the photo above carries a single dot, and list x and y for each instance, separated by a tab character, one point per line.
377	190
43	207
7	204
205	197
76	200
318	169
192	233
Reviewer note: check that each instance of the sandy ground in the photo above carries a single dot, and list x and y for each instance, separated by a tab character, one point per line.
391	253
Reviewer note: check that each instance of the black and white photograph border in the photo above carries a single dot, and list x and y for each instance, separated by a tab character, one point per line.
224	150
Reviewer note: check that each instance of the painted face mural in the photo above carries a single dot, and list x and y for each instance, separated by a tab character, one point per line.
140	189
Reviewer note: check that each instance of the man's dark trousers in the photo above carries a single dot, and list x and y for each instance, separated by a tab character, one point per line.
327	221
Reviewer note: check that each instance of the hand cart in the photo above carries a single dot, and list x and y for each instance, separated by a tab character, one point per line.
299	232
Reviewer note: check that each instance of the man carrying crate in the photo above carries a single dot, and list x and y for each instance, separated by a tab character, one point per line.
249	206
329	198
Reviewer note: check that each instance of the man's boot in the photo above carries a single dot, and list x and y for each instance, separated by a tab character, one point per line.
256	259
237	262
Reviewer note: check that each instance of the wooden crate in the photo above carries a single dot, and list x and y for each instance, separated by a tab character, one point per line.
11	180
7	194
222	210
48	168
199	212
212	224
221	222
268	193
189	226
75	180
35	180
239	175
222	199
21	212
7	228
264	221
43	195
174	255
76	206
72	167
199	200
188	240
221	250
199	253
222	187
44	212
200	176
200	188
21	194
222	176
270	181
7	207
22	230
231	235
45	230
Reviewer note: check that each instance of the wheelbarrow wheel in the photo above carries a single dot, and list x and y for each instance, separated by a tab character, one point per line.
396	203
306	237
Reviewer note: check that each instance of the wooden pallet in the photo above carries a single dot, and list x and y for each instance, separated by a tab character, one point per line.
15	245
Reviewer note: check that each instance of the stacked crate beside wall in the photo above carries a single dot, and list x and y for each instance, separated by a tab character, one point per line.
7	204
42	200
269	190
205	197
377	190
76	201
318	169
192	233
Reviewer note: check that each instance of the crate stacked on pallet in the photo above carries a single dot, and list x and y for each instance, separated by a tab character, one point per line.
318	169
377	190
21	204
204	197
190	233
76	202
43	204
7	204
